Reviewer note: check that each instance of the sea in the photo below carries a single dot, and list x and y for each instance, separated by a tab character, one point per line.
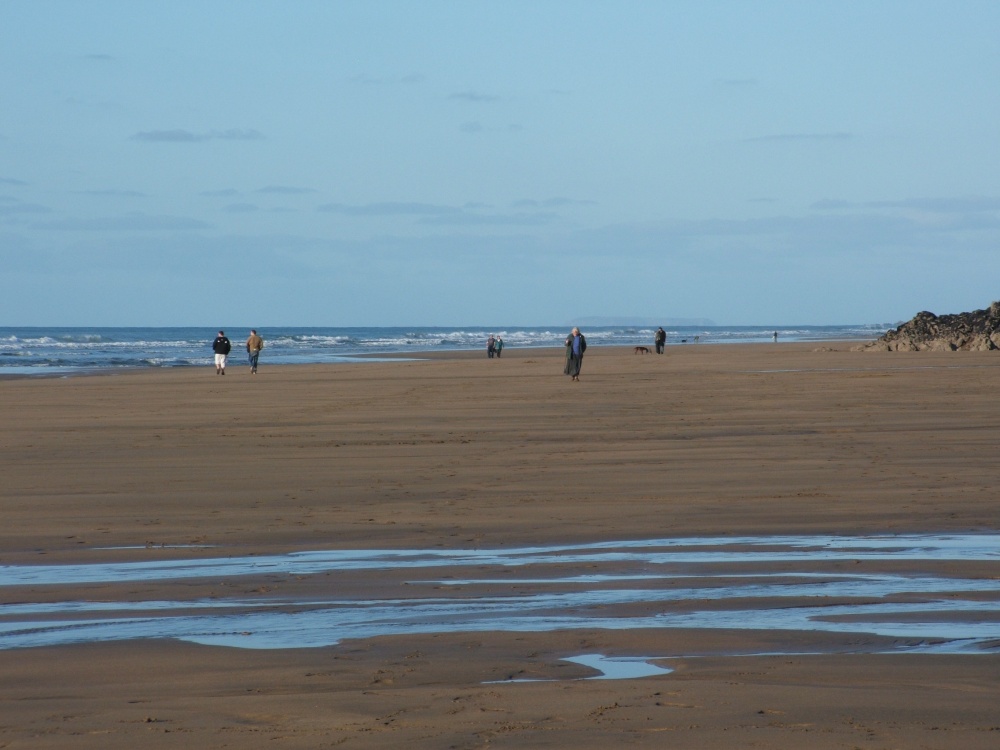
79	349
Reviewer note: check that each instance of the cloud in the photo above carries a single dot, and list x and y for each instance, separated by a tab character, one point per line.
965	205
10	181
736	83
469	219
114	193
472	96
830	204
16	208
800	138
474	126
368	80
187	136
389	209
285	190
167	136
471	214
134	222
796	241
552	203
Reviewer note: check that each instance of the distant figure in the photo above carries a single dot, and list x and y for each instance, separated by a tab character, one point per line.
576	345
221	347
491	346
254	344
498	346
775	337
660	339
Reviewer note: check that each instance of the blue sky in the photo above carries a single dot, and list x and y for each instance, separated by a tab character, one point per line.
459	162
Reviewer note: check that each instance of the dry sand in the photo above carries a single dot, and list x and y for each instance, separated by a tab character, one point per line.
462	451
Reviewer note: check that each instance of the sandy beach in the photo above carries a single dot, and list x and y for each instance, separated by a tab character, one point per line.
460	452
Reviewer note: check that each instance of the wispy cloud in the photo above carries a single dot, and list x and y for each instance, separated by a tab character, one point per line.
526	213
10	181
285	190
114	193
964	205
390	208
557	202
13	207
474	126
521	219
472	96
800	138
736	83
134	222
188	136
369	80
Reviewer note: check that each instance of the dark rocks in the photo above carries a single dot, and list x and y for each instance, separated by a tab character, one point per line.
972	331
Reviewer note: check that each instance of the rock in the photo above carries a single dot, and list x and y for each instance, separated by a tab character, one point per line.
978	330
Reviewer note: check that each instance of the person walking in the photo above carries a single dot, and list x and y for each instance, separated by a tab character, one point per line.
221	347
491	346
498	347
576	345
660	338
254	344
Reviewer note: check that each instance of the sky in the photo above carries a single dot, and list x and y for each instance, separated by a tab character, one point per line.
463	162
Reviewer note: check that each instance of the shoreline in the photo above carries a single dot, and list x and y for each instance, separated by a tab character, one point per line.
447	453
69	350
29	371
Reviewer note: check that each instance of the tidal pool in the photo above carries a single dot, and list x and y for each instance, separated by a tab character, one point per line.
607	668
910	588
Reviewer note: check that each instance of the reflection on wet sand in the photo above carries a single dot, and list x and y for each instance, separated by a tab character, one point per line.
921	592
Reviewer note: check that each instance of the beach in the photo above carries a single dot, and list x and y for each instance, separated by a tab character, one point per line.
457	452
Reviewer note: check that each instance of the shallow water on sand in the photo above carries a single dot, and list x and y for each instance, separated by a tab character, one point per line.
908	591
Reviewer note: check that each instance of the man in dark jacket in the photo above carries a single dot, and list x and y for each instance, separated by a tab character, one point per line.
576	345
221	347
660	339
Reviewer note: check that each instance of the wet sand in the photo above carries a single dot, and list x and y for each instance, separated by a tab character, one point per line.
458	452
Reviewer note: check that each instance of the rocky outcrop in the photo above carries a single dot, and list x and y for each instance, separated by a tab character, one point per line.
972	331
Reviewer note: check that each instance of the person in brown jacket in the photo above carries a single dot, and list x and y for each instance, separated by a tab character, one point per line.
254	344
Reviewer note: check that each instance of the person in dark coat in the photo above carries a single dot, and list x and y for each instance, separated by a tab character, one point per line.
660	339
221	347
576	345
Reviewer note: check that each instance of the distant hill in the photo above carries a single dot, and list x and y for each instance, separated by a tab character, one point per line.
978	330
643	322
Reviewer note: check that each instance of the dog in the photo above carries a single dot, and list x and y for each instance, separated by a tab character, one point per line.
641	350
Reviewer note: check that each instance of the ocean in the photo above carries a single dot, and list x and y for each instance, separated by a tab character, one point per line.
55	351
